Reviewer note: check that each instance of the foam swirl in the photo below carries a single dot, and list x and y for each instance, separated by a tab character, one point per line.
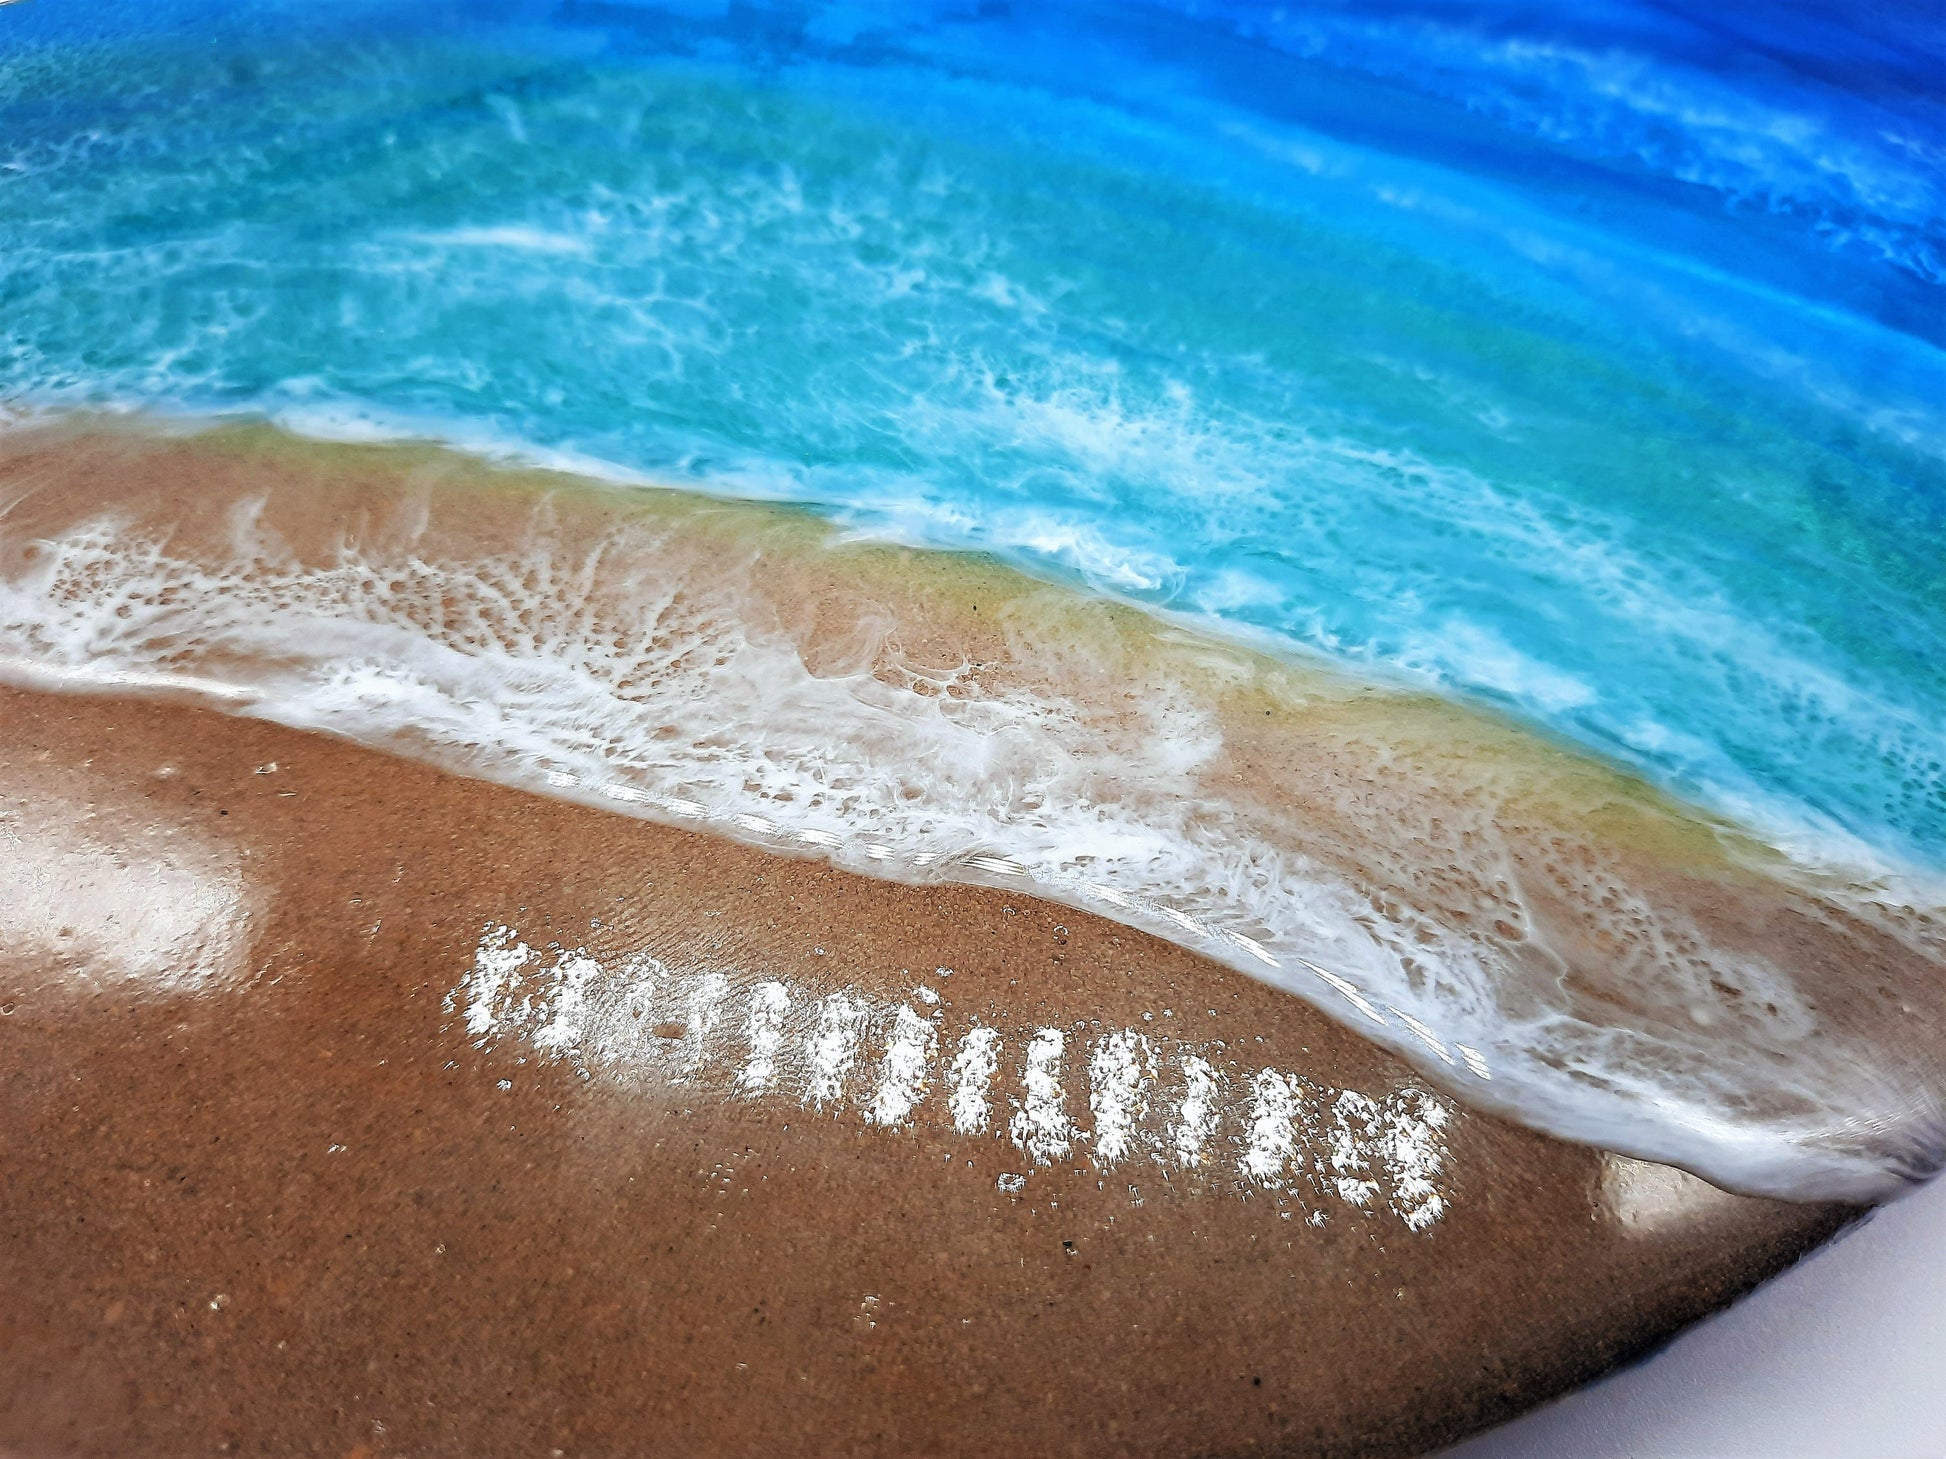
1538	932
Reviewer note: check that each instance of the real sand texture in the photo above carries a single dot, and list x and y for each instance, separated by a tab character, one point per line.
265	1188
1542	934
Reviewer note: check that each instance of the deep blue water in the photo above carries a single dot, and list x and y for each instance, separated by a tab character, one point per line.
1585	361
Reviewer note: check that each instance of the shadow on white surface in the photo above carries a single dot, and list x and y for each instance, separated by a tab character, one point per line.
1842	1357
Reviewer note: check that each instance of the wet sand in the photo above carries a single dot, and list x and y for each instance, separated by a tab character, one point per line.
281	1173
1538	932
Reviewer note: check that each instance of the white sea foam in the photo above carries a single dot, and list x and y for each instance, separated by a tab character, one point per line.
1121	1069
1251	1136
667	667
1196	1119
973	1069
904	1075
705	1006
1273	1129
1040	1124
834	1048
764	1032
512	235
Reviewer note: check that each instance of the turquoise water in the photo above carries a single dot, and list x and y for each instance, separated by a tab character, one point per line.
1586	367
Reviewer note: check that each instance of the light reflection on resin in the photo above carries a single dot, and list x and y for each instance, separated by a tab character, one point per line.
100	899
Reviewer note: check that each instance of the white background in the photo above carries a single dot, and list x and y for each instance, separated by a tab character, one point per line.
1842	1357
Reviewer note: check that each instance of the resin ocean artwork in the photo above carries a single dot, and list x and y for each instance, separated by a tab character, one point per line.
1437	509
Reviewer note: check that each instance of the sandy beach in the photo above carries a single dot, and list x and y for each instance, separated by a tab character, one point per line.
1537	932
269	1188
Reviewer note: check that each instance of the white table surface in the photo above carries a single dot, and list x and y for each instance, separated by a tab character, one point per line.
1842	1357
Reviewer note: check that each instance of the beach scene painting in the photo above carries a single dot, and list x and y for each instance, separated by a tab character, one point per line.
952	728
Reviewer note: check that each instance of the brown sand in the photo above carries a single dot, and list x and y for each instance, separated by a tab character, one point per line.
294	1211
744	656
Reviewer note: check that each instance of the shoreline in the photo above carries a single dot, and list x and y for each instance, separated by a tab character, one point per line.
1537	932
264	1078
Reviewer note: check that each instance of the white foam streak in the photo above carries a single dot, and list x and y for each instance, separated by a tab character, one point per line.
1273	1129
902	1079
1040	1126
1355	1130
1233	1129
764	1032
973	1070
1120	1070
1414	1152
706	997
834	1048
1190	1137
